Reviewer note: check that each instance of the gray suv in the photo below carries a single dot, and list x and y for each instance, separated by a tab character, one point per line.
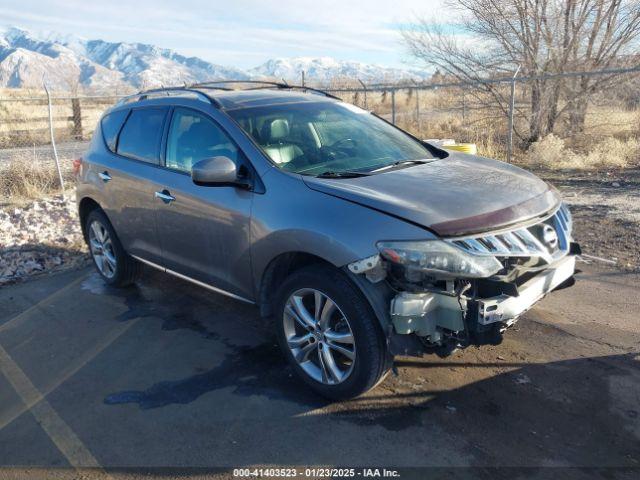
360	241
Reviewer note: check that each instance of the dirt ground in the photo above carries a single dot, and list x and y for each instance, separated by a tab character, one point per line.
606	211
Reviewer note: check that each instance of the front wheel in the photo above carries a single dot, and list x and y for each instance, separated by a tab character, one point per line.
329	333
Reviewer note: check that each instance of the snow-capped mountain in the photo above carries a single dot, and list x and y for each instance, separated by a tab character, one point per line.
323	70
25	60
148	65
69	62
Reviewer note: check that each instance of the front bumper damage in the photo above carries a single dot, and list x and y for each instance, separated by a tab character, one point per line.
504	308
427	308
442	320
445	320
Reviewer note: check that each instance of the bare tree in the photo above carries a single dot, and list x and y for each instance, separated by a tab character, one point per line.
540	36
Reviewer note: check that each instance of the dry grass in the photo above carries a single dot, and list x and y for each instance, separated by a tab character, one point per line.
610	152
24	179
610	138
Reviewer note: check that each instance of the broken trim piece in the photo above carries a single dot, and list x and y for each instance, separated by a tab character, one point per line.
372	267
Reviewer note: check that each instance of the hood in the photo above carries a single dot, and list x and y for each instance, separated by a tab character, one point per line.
453	196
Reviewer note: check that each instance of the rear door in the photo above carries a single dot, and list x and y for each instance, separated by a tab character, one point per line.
204	230
129	181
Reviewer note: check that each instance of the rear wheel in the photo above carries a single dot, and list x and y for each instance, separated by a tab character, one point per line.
114	265
329	333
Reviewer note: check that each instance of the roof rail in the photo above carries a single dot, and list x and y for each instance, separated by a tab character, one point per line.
261	84
168	91
223	82
217	85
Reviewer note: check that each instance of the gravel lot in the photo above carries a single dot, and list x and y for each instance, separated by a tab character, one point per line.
606	209
39	237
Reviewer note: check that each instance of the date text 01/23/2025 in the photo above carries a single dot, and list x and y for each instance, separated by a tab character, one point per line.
316	472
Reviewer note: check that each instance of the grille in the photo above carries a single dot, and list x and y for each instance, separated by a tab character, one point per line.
549	239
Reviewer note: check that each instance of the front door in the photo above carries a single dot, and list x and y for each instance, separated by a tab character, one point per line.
204	231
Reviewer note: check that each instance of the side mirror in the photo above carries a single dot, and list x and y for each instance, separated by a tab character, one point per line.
218	172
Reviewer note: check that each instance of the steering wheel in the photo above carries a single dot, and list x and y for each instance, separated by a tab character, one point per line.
339	144
339	149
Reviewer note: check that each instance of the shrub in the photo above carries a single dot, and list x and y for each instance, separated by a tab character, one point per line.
612	152
551	152
27	179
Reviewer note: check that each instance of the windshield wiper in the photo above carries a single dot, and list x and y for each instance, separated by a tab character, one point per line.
342	174
402	162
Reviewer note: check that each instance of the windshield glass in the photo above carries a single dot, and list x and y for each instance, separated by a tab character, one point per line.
327	138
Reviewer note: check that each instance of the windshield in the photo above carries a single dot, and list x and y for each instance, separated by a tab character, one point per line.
326	138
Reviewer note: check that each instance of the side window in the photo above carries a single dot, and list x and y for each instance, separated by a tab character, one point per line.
194	137
141	134
110	125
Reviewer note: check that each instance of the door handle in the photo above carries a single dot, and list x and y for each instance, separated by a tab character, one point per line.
104	176
165	196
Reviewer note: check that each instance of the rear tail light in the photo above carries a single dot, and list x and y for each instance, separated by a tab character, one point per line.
77	166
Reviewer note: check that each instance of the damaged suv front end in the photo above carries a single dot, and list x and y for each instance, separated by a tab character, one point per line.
460	290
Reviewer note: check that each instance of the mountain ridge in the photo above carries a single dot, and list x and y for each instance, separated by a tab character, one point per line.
69	62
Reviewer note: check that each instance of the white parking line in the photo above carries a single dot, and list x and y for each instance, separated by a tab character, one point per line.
8	416
55	427
21	317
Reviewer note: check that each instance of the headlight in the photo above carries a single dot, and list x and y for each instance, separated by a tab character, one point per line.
439	258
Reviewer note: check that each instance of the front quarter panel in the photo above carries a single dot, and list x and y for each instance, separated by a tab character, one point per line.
290	217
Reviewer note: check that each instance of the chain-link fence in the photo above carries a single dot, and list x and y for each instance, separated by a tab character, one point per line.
576	113
548	118
35	129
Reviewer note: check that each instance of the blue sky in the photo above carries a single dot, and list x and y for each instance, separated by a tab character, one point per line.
241	33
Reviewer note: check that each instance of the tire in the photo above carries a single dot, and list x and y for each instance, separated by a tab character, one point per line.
115	266
352	318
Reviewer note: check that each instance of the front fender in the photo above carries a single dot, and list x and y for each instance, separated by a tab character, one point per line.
292	218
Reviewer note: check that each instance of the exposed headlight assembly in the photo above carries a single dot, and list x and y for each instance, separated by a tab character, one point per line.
439	259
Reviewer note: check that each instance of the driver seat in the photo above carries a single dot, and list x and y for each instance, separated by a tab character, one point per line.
276	132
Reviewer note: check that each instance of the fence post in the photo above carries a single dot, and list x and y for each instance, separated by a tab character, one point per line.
393	106
365	94
464	108
53	140
417	90
77	118
512	104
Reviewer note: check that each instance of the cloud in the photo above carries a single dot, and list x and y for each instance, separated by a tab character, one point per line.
240	33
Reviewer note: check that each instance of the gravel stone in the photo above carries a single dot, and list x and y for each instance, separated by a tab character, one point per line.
42	236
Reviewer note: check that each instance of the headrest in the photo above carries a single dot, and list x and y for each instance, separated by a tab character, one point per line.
279	129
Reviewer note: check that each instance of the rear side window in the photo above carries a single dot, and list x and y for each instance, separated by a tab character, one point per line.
140	137
111	125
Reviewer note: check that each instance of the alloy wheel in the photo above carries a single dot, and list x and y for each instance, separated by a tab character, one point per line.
102	249
319	336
